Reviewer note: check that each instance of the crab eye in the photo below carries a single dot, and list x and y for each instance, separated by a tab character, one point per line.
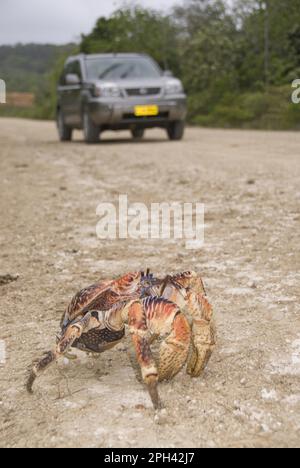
187	274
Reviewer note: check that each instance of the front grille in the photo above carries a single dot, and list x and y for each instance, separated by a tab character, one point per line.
143	91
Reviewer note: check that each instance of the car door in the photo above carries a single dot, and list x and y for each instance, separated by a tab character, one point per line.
75	95
70	94
64	93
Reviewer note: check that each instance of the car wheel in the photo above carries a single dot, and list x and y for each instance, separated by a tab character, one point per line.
137	133
64	132
175	130
90	130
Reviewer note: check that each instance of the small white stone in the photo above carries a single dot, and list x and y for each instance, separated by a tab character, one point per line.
161	416
265	428
269	394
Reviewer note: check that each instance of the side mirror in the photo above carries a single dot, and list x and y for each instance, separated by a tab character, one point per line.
168	73
72	79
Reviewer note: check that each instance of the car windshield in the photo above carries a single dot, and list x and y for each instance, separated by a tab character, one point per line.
115	68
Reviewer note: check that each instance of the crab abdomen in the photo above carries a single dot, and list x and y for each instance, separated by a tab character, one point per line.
99	340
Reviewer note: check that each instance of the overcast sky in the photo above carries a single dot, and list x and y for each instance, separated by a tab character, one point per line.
57	21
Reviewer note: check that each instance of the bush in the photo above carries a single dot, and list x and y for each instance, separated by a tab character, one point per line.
257	110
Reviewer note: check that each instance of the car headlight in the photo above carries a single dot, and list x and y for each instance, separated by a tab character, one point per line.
107	90
173	87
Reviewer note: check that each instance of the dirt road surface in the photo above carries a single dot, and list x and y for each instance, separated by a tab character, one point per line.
249	395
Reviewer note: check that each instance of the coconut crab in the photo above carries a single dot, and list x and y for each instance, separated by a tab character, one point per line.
174	309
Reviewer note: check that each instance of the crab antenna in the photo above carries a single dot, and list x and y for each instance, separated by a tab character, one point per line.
148	272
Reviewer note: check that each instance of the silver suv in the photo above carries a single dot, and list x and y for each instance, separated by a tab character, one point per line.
118	91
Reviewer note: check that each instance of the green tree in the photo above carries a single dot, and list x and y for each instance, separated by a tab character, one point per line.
135	29
269	41
207	53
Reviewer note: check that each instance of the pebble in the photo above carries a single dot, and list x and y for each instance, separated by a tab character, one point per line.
161	416
7	278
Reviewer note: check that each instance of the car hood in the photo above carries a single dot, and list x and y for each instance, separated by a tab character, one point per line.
140	83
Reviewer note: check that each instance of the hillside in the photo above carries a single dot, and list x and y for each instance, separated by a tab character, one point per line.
23	66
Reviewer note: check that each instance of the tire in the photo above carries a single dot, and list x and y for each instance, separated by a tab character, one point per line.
137	133
90	130
64	132
175	130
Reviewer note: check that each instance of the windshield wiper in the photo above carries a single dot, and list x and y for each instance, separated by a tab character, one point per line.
109	70
126	73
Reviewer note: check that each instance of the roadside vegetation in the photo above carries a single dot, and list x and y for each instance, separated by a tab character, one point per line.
237	63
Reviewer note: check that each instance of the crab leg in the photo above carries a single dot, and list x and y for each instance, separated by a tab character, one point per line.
72	333
148	367
174	349
150	318
138	330
203	333
188	292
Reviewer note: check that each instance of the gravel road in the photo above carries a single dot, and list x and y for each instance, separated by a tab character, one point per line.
249	395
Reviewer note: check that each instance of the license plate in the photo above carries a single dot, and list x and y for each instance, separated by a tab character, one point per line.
146	111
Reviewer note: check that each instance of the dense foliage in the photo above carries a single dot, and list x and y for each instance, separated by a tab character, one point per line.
33	68
23	66
237	63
